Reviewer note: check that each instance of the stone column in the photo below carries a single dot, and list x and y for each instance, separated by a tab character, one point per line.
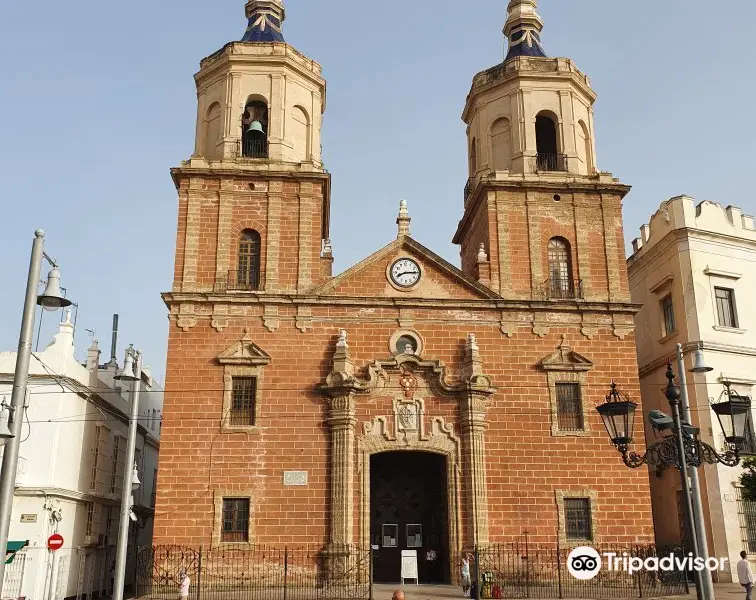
473	424
342	421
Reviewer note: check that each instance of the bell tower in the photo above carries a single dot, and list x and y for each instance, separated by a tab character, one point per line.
254	196
546	218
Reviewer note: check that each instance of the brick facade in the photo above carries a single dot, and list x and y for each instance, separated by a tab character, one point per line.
333	388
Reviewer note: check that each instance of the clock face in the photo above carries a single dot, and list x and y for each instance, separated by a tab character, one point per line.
405	272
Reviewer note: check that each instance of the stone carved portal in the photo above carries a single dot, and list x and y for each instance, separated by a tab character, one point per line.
441	441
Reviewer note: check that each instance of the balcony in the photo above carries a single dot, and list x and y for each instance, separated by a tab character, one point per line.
254	149
562	289
244	281
548	161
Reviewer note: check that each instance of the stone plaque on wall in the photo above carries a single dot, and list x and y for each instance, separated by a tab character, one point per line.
295	478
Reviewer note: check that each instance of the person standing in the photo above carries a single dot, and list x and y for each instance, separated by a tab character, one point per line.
745	574
184	582
466	575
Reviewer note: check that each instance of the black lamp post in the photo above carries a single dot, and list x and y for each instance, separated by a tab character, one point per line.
683	446
682	449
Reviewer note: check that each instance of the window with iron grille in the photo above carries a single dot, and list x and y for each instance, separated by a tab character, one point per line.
668	312
248	271
560	268
726	309
116	465
90	519
569	407
235	526
747	516
577	517
243	397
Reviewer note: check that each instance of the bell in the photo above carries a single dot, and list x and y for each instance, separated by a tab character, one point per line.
255	126
128	369
700	365
52	299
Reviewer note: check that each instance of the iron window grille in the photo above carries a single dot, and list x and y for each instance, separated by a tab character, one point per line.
569	407
668	311
726	309
243	397
235	520
747	517
577	516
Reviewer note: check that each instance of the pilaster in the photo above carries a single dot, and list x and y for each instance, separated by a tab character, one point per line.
304	277
191	246
534	243
608	213
501	273
274	236
223	248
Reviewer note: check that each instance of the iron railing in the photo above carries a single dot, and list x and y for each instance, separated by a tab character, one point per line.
254	148
548	161
244	280
562	289
522	570
256	572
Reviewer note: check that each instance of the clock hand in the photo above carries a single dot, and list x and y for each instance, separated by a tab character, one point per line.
407	273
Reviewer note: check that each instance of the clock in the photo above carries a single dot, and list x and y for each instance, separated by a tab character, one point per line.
405	272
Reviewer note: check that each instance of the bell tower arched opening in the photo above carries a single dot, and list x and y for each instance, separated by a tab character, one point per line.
547	144
255	129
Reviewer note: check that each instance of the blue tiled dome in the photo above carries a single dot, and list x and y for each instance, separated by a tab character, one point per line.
525	42
266	19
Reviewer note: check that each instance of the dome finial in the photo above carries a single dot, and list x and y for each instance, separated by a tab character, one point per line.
523	29
266	19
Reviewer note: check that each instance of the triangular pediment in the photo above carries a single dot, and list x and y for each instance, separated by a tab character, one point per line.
439	278
565	359
244	352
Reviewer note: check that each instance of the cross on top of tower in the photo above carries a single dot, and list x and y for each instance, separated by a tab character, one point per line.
523	28
266	19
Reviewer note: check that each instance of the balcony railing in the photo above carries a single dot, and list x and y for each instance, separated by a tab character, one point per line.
562	289
254	149
548	161
244	281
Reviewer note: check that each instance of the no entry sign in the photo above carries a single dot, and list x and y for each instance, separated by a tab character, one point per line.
55	541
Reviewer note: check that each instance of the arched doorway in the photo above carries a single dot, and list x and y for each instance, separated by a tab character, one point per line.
409	512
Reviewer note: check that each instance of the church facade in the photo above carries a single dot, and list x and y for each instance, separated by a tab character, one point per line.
404	403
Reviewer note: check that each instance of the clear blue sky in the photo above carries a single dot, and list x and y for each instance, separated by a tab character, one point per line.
99	102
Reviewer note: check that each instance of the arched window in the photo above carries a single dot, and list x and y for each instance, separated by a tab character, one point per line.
212	131
561	284
547	144
501	145
255	129
299	133
584	150
473	157
248	272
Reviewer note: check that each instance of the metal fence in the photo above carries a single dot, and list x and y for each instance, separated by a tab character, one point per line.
256	573
522	570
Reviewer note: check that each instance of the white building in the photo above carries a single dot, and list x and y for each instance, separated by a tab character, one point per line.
70	471
694	271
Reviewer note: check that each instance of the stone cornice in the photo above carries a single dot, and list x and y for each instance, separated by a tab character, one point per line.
229	170
541	306
524	184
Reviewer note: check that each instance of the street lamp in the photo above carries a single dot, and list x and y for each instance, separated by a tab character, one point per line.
682	448
132	371
10	426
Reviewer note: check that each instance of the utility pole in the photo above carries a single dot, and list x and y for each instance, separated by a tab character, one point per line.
700	540
51	300
130	373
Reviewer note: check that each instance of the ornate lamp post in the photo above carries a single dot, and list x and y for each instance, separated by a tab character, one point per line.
682	449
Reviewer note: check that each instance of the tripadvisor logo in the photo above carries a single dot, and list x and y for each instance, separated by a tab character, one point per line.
585	563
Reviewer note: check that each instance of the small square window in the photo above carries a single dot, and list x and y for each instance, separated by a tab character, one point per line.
577	517
235	526
243	400
569	407
726	309
668	313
